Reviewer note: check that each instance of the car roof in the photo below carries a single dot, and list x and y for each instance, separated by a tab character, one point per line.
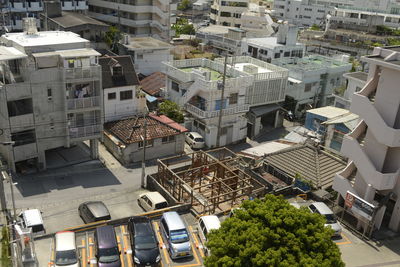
211	222
173	220
32	217
196	134
65	241
142	225
105	236
97	208
322	208
155	197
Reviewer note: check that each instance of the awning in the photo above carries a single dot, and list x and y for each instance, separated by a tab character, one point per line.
150	98
265	109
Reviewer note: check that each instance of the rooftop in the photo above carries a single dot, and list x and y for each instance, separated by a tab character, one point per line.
45	38
329	112
140	43
215	29
128	77
7	53
72	19
214	75
359	75
153	83
268	42
130	130
310	63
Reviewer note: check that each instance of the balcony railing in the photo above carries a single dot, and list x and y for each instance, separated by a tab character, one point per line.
85	131
211	114
86	102
84	72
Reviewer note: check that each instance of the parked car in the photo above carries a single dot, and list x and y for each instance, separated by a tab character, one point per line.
143	242
32	219
175	235
323	209
152	201
107	252
66	255
205	225
194	140
93	211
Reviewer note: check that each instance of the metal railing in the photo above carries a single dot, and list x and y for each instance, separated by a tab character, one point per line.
86	102
211	114
84	72
85	131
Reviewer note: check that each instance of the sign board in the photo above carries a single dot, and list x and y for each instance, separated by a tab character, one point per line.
359	206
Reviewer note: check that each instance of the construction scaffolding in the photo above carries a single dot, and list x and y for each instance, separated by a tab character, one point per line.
212	181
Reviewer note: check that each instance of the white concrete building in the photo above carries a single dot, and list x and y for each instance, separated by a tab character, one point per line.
256	22
137	17
121	88
50	94
147	53
312	80
18	9
284	44
228	12
373	147
355	81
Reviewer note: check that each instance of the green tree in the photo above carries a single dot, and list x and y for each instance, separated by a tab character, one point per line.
271	232
171	110
184	5
112	37
182	26
315	27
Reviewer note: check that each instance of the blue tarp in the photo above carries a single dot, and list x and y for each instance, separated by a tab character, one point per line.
151	98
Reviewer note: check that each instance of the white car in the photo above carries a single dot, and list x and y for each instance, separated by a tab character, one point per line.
323	209
33	219
205	225
152	201
66	255
194	140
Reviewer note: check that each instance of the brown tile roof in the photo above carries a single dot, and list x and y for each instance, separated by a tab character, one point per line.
153	83
130	130
313	164
164	119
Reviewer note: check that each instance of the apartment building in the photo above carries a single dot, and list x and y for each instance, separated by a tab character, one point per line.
196	84
50	94
228	12
355	81
312	81
137	17
19	9
373	147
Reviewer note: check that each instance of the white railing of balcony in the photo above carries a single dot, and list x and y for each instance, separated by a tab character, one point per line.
84	72
211	114
85	131
86	102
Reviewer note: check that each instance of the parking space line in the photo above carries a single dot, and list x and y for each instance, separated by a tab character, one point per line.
52	249
91	251
160	240
344	242
127	245
121	256
197	242
83	253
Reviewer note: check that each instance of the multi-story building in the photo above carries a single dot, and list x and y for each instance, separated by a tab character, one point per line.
312	81
196	84
50	94
18	9
228	12
355	81
137	17
256	22
373	147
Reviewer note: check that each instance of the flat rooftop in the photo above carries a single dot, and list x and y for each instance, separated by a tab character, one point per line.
309	63
359	75
8	53
215	29
215	75
329	112
44	38
268	42
146	43
241	66
72	19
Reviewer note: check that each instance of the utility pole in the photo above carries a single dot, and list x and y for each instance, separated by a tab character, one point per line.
144	151
222	100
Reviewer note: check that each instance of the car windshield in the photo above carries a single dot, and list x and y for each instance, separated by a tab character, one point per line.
198	139
179	236
107	255
330	218
66	257
145	242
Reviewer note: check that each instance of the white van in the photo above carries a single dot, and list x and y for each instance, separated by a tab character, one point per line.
204	226
33	219
66	254
152	201
324	210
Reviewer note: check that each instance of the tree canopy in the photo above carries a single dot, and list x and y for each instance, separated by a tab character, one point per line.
182	26
112	37
184	5
171	110
271	232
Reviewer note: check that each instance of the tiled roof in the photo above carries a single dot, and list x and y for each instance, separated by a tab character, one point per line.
131	130
310	162
164	119
153	83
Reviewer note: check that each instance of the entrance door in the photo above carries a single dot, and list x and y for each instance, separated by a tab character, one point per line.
229	135
249	130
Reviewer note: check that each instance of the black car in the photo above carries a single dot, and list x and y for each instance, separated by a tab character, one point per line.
144	242
93	211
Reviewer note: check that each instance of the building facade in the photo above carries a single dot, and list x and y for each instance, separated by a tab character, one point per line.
228	12
372	173
50	94
137	17
355	81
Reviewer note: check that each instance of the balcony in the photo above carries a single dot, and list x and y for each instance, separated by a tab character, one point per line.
22	121
24	152
89	73
90	131
352	148
344	180
212	114
82	103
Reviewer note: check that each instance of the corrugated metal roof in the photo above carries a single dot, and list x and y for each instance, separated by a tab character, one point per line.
152	84
328	112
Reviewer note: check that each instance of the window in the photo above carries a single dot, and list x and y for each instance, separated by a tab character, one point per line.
24	137
112	96
49	94
117	71
286	54
225	14
168	139
233	98
164	139
149	143
237	15
175	86
277	55
139	56
20	107
125	95
307	87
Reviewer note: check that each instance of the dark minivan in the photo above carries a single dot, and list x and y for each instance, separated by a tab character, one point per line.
144	242
93	211
107	253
